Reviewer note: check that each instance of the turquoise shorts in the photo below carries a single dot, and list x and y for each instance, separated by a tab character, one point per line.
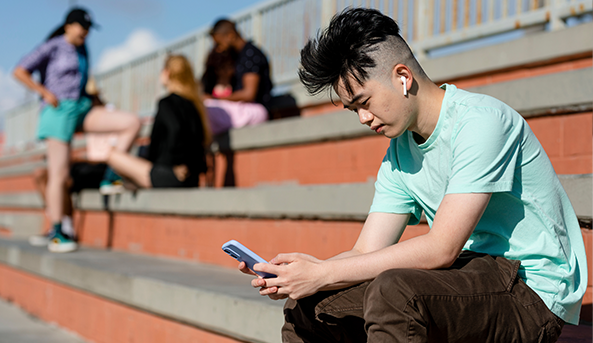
61	122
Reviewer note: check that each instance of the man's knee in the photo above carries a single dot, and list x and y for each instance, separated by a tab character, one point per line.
394	284
135	123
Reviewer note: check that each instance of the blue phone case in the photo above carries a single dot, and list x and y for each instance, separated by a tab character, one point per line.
242	254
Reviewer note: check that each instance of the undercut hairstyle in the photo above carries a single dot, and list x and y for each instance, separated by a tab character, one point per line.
358	44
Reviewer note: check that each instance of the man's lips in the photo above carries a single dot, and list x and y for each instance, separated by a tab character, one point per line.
377	128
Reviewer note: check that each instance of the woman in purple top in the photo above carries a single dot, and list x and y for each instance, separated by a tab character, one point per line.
62	63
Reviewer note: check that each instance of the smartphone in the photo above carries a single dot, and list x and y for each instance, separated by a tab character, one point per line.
242	254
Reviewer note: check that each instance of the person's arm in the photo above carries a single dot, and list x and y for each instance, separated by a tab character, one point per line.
249	91
160	131
380	230
34	61
301	275
24	76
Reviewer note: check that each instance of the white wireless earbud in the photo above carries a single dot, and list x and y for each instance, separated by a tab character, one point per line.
405	81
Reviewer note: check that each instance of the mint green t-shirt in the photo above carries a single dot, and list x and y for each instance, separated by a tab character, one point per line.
481	145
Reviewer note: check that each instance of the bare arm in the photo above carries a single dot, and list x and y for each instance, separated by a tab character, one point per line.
380	230
301	275
249	91
25	78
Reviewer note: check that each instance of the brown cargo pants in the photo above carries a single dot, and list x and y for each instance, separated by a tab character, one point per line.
478	299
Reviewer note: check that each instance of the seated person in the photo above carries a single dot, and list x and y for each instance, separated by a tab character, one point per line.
180	132
248	103
219	75
504	260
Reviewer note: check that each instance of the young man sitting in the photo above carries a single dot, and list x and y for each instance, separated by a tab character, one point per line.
504	260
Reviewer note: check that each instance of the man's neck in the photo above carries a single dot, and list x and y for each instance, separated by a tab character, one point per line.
239	44
430	100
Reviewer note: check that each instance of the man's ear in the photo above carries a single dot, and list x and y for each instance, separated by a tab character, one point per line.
401	75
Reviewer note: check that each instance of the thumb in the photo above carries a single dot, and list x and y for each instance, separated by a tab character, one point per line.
284	258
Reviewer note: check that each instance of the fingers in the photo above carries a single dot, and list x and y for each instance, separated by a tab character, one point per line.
259	282
243	268
268	290
268	268
278	296
50	99
284	258
180	172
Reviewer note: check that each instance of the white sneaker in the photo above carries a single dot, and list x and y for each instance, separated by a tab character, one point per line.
61	243
40	240
112	188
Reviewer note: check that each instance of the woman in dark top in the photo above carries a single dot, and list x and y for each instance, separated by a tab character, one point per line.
179	135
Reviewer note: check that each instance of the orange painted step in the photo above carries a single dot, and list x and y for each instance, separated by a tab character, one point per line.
92	317
567	140
101	320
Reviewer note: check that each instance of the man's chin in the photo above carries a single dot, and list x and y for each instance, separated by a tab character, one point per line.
391	135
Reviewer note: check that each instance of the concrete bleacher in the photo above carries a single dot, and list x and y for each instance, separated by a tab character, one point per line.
151	268
199	294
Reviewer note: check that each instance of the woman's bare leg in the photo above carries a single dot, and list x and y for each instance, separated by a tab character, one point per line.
134	168
58	165
126	125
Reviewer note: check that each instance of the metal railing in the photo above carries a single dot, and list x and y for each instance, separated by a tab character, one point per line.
281	28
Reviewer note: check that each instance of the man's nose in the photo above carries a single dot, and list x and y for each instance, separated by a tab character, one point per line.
365	117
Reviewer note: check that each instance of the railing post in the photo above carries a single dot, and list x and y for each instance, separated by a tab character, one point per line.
423	21
556	23
161	56
328	9
126	87
256	27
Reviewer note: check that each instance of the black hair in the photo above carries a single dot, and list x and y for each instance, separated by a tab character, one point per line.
342	50
57	32
223	25
214	62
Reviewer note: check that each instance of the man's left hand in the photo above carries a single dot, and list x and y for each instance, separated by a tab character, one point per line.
298	276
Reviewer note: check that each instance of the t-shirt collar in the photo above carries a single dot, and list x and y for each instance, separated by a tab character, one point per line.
449	91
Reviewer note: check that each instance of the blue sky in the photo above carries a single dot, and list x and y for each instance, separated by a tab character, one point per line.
128	27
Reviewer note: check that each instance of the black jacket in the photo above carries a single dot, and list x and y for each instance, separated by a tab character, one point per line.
177	135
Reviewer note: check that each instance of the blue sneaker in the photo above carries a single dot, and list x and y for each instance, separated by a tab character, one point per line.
112	183
59	242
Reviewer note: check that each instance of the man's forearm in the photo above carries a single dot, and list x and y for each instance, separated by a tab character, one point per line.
350	268
344	254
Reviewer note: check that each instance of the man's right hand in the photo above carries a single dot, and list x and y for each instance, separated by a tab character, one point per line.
260	283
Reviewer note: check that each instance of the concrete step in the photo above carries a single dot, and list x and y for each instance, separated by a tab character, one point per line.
210	298
17	326
185	223
193	302
335	148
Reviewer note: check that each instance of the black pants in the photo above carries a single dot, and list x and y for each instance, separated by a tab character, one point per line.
478	299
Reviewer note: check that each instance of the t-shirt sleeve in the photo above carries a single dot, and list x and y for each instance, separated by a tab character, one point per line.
391	196
38	57
253	61
485	148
